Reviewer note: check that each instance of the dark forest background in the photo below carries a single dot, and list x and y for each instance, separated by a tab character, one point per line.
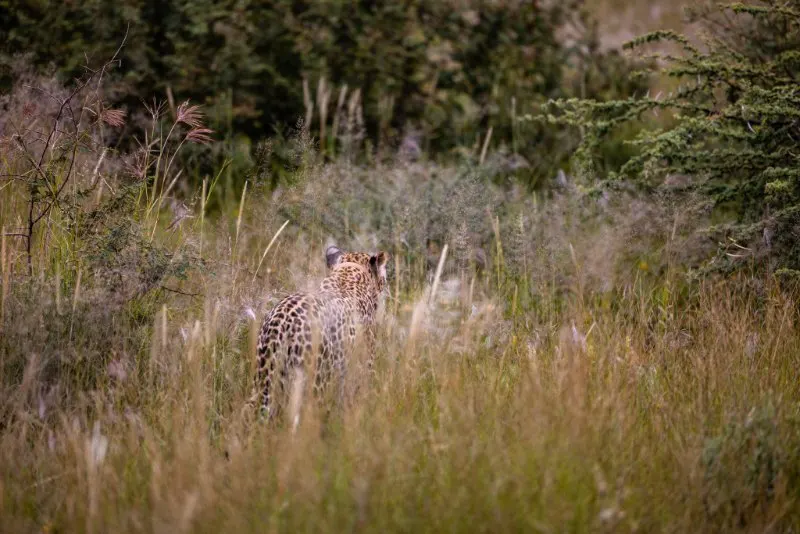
438	73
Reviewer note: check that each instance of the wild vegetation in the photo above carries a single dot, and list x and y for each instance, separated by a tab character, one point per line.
438	73
731	131
553	355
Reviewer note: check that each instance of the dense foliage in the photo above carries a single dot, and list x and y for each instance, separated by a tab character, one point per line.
731	133
441	73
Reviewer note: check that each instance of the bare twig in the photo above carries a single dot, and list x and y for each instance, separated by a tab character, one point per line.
179	292
67	102
65	106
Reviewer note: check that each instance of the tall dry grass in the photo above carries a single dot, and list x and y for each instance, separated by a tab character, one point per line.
562	375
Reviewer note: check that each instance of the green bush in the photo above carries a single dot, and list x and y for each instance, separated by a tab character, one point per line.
747	463
731	132
441	72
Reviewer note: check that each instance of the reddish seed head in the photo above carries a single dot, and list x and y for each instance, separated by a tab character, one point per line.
200	136
113	117
190	115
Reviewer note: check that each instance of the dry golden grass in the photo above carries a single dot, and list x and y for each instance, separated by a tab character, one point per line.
638	411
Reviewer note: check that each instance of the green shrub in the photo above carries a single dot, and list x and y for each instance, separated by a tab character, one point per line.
746	464
731	130
442	73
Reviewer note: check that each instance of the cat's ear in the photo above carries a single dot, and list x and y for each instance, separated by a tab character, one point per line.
332	256
382	258
378	263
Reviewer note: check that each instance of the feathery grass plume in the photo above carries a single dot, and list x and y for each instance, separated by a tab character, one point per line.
190	115
113	117
201	136
155	108
138	163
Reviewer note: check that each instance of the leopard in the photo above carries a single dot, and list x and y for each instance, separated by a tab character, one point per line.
315	332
